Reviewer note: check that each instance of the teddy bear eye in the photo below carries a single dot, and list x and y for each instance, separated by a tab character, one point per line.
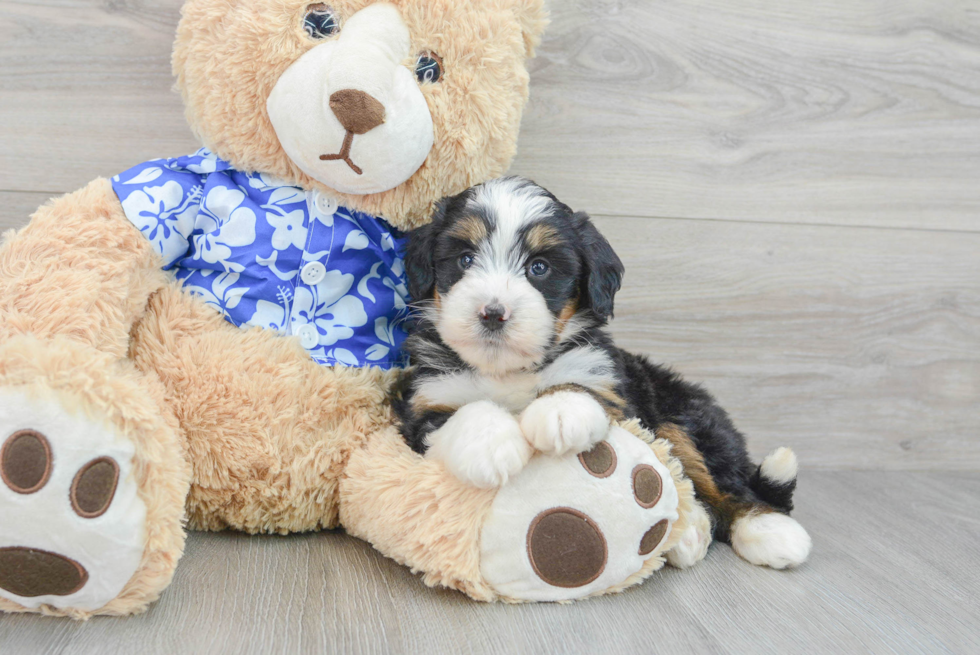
428	67
320	21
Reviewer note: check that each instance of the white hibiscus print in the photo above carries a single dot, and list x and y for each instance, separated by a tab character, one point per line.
165	216
225	224
290	230
223	294
343	357
269	315
208	162
328	307
272	315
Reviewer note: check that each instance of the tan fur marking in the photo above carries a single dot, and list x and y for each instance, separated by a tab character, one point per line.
567	312
609	400
726	508
419	406
470	229
542	236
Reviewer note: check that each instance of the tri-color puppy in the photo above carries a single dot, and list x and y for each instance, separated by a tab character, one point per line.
510	355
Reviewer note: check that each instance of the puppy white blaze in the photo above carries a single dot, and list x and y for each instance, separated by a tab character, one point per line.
497	276
513	203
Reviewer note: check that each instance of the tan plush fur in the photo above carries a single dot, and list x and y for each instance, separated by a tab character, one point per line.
78	269
239	428
431	520
268	430
229	55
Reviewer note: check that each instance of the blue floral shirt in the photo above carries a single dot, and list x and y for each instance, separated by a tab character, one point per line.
267	254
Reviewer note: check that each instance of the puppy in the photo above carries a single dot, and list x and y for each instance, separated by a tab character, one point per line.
511	355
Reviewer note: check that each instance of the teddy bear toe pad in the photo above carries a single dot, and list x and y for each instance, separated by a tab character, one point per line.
569	527
73	528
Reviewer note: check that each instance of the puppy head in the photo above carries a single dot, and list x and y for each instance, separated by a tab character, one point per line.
507	268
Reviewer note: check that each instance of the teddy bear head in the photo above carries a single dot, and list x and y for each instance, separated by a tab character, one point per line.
388	106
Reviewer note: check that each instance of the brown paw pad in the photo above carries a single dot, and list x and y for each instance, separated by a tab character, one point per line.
94	486
600	461
25	461
566	547
28	573
647	486
652	537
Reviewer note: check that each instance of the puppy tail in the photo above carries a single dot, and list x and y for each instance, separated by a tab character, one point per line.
775	480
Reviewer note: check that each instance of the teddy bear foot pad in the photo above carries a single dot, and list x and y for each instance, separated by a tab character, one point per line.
73	529
570	527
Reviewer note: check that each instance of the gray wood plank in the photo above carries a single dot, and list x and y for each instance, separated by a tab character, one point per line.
813	111
16	208
859	348
893	570
859	114
86	90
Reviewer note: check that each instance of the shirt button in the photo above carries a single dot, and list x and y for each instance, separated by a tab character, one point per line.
325	204
308	336
313	273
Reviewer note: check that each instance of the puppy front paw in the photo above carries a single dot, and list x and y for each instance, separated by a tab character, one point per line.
565	422
481	444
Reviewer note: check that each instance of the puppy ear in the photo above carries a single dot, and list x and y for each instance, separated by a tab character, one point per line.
420	268
602	270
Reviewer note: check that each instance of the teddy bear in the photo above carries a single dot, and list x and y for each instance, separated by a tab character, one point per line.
208	342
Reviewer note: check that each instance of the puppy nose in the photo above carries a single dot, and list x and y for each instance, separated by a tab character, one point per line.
357	111
494	316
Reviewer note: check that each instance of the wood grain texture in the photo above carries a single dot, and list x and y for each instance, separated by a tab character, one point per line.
813	111
857	347
16	208
893	570
86	90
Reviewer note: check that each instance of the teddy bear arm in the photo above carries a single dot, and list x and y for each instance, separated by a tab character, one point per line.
79	270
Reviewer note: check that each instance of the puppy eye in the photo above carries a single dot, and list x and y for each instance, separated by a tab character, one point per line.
320	21
428	67
465	261
538	268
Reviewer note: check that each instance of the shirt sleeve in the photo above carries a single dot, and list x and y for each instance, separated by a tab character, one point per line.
161	198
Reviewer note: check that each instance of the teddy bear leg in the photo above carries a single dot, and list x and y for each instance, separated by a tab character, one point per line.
565	527
92	473
93	482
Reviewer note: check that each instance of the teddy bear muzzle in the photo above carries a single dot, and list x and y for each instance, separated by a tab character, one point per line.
348	113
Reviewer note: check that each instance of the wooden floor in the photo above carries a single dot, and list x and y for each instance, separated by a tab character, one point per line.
893	571
794	187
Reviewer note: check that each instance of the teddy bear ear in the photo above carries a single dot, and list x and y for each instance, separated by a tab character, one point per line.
533	17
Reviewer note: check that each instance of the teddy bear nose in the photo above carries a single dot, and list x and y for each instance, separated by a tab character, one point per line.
356	110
